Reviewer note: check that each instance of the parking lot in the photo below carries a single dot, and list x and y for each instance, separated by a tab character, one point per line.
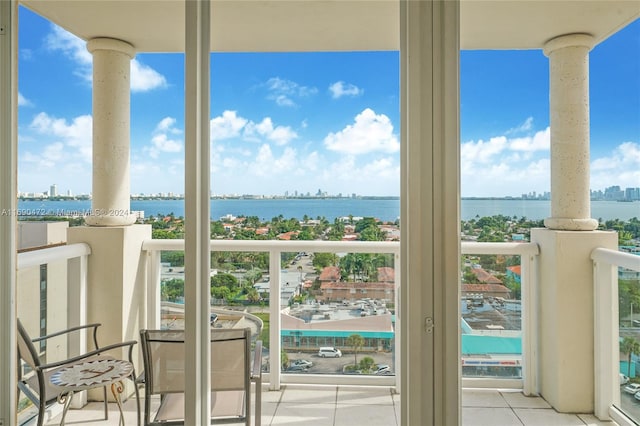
630	405
335	365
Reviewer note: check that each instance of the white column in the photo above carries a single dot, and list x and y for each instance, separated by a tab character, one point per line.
111	123
8	202
429	314
569	117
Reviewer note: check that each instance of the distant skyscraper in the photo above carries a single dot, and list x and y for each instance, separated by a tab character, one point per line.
53	190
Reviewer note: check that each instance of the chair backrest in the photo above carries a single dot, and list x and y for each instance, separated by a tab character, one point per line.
26	349
164	360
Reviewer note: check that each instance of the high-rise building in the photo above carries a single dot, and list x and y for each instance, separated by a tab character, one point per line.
53	190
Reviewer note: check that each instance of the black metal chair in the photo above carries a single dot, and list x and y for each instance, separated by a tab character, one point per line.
35	384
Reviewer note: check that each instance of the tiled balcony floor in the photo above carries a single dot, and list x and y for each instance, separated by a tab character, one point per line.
368	406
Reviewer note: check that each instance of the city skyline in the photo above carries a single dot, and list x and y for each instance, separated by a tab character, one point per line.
614	192
317	120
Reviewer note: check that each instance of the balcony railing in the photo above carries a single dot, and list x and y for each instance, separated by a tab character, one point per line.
275	249
153	248
607	334
528	254
71	307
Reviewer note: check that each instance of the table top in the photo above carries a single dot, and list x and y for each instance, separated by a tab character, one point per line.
90	374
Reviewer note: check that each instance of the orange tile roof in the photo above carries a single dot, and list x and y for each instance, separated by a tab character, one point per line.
330	273
515	269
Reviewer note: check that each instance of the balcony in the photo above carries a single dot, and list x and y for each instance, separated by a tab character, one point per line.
376	406
569	349
339	398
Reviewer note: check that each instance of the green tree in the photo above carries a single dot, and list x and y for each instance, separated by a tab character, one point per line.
220	293
629	346
365	222
366	364
172	290
224	280
174	258
372	233
356	342
253	275
629	293
253	296
469	277
322	260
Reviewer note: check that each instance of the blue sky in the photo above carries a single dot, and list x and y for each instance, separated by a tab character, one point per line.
309	121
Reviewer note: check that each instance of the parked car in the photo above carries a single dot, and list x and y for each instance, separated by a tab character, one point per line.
302	362
297	368
632	388
328	352
637	396
623	379
382	369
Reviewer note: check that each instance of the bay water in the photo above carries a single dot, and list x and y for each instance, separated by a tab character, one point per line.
386	209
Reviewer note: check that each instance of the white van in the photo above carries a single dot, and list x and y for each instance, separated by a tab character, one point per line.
329	353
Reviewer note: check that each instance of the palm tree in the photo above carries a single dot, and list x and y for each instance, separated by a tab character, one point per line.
356	341
629	346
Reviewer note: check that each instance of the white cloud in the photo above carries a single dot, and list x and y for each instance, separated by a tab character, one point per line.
76	135
228	125
370	132
506	166
510	166
540	141
166	125
621	168
482	151
143	78
284	92
73	47
340	89
22	101
267	164
151	177
56	148
281	135
161	142
231	125
378	177
486	152
524	127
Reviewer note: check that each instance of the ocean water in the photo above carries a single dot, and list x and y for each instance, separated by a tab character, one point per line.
383	209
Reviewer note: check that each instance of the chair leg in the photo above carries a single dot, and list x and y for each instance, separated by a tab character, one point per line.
41	413
135	386
106	402
258	411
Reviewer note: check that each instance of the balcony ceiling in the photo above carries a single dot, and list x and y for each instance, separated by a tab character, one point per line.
331	25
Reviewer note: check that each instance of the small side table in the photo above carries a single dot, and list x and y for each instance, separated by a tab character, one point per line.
89	375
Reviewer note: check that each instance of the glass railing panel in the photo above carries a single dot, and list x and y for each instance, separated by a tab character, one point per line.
629	340
239	286
491	321
617	334
338	313
48	282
